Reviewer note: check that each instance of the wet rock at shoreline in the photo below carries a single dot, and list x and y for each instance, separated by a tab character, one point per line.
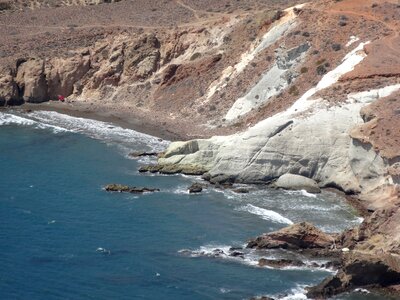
297	182
196	188
128	189
149	168
241	190
359	270
142	153
295	237
173	169
280	263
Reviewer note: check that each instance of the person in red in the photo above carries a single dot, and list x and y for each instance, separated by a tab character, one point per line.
61	98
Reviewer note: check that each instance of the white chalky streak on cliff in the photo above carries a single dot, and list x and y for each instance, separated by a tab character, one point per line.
349	62
278	31
270	84
352	40
372	95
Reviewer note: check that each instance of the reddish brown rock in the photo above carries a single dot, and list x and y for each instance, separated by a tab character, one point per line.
298	236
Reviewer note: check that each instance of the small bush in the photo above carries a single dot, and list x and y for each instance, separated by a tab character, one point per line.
321	70
303	70
336	47
293	90
5	6
195	56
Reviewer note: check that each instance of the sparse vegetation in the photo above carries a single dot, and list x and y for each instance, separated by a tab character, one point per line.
303	70
5	5
321	70
294	90
336	47
195	56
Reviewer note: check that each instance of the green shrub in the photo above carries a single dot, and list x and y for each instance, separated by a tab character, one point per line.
5	5
195	56
303	70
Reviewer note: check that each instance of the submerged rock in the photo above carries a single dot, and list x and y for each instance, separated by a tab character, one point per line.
295	237
297	182
128	189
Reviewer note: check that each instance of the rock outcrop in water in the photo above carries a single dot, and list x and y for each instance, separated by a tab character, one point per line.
128	189
295	237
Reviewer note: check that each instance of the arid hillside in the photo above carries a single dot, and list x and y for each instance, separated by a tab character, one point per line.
170	62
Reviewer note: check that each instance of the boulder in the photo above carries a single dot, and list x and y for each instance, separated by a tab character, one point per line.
241	190
295	237
195	188
128	189
297	182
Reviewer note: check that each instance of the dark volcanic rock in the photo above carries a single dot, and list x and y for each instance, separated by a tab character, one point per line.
280	263
172	169
128	189
195	188
223	179
298	236
241	190
236	254
359	270
150	168
141	154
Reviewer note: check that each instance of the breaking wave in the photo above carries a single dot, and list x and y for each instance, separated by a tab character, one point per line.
265	214
100	130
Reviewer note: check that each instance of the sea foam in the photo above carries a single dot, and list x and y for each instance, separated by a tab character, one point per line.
100	130
265	214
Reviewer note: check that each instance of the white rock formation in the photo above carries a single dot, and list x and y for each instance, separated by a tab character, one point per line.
271	83
311	139
278	31
297	182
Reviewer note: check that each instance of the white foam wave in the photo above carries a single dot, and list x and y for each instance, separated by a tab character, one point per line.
265	214
95	129
301	193
297	293
10	119
224	290
248	257
307	194
99	130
